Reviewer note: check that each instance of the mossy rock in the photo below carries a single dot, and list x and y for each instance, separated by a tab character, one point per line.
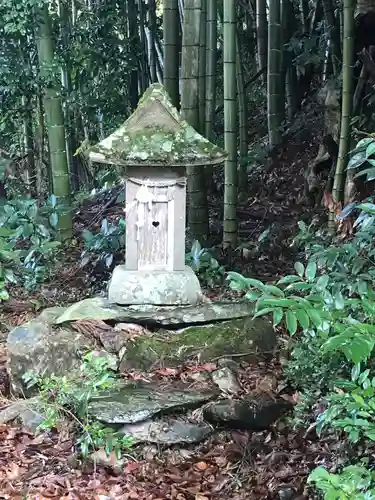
246	336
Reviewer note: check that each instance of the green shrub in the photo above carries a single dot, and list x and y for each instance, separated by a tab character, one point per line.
204	265
328	309
28	246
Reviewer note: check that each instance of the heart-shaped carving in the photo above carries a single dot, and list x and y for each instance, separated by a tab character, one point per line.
155	223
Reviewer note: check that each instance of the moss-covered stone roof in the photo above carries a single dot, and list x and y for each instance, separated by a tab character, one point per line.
156	135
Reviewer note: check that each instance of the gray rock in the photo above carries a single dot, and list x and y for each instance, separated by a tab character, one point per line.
50	314
167	432
101	309
226	380
204	343
154	287
36	347
249	414
27	412
135	402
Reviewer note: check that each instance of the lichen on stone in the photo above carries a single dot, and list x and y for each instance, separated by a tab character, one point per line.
244	336
156	135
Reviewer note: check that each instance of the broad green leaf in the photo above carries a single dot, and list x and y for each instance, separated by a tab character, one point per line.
53	219
371	435
358	350
285	280
339	300
370	150
357	160
53	201
277	316
252	295
356	370
33	210
196	247
274	290
266	301
262	312
310	271
347	210
255	283
319	474
300	269
363	143
367	207
5	232
315	316
9	276
366	171
362	287
28	230
322	282
363	376
291	322
358	399
299	286
43	230
302	318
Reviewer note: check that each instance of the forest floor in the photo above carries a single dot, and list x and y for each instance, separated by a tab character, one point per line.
230	465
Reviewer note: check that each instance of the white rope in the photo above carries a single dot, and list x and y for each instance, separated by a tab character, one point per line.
144	197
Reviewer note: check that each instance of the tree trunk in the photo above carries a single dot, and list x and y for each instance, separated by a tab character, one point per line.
133	37
289	77
202	67
334	35
211	57
304	9
70	138
144	69
152	35
230	124
171	52
55	124
275	92
29	142
242	116
262	42
346	107
198	210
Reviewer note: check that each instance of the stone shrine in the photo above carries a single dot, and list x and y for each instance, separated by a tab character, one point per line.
154	146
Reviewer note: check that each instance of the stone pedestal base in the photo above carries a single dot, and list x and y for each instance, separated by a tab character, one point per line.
159	288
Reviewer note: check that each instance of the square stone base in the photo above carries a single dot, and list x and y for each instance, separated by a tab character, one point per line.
160	288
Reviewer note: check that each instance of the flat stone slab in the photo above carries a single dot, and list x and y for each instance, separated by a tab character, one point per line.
102	309
167	431
135	402
245	338
169	288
